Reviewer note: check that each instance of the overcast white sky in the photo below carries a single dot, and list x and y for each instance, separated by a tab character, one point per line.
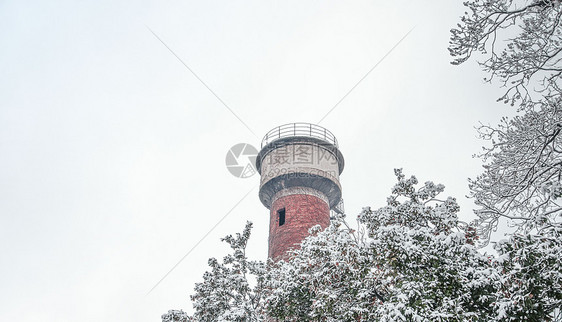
112	154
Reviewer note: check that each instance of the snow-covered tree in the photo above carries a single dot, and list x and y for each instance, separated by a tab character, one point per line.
522	45
521	182
521	42
426	266
531	280
176	316
522	174
233	289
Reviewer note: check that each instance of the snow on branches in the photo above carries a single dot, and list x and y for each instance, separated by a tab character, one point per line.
225	293
427	270
521	41
523	169
530	287
176	316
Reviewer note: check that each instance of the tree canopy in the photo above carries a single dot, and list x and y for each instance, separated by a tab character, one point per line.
410	260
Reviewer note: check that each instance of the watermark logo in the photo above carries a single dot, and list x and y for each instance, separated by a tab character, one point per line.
241	160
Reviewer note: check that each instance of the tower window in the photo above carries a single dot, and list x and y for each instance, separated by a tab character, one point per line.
281	215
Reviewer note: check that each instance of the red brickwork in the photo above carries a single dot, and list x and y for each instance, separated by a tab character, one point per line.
301	213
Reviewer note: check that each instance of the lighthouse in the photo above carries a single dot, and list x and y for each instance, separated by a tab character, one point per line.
300	165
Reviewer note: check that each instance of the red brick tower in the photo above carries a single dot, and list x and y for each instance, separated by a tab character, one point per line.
300	165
